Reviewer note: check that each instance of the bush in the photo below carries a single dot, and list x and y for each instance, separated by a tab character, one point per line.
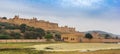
15	35
8	25
30	28
40	31
48	48
57	37
31	35
88	35
48	36
2	36
4	24
4	17
23	27
107	36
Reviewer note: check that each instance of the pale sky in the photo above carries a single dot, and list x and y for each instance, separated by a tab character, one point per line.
84	15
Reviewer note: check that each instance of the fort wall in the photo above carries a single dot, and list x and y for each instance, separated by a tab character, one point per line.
38	24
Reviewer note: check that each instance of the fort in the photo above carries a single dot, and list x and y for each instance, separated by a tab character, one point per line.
68	34
39	24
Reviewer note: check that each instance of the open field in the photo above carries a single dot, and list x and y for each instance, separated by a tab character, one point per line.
67	48
22	44
60	52
83	47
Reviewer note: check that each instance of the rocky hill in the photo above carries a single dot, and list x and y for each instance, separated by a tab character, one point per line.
103	33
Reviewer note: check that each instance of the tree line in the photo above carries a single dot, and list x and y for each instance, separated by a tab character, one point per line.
26	32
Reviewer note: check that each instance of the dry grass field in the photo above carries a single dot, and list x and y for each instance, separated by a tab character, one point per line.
59	48
82	47
93	52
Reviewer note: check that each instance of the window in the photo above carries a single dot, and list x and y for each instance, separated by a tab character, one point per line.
72	39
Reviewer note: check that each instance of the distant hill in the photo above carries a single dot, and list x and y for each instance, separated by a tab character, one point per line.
103	33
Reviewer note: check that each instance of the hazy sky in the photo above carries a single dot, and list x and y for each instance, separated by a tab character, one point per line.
84	15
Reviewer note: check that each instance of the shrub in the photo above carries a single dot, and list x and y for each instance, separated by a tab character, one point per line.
2	36
23	27
48	36
15	35
88	35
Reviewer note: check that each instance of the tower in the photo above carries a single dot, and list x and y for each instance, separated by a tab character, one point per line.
16	17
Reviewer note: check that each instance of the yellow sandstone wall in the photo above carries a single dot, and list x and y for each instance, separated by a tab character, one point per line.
72	37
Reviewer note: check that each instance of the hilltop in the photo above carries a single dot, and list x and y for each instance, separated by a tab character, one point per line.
21	28
46	25
103	33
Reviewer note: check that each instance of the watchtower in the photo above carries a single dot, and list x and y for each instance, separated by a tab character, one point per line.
16	17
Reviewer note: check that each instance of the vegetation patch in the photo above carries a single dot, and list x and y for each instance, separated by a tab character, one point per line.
19	51
48	48
23	31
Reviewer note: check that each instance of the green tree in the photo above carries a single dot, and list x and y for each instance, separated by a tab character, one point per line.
48	37
4	17
4	24
30	28
2	31
40	31
15	35
57	37
10	27
28	35
31	35
88	35
2	36
107	36
23	27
